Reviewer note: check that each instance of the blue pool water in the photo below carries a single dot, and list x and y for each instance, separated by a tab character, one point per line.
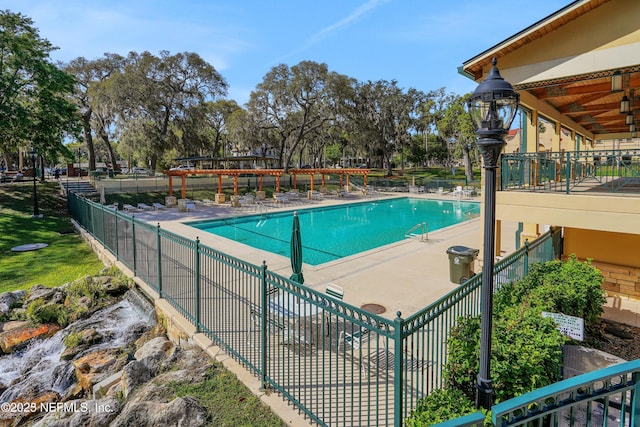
334	232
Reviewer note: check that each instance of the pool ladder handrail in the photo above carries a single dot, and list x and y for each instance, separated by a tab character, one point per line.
424	231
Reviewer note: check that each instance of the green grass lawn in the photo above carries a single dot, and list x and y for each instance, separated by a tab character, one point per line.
66	258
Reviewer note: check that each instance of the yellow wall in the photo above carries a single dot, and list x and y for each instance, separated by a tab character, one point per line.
613	248
586	211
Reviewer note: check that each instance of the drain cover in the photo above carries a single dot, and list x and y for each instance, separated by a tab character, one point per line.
29	247
373	308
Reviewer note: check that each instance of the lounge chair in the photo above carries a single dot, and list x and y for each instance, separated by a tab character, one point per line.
382	359
247	200
129	208
208	202
457	193
334	292
191	206
280	198
144	207
353	336
158	205
315	195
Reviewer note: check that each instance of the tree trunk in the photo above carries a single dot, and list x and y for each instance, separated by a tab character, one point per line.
88	139
468	168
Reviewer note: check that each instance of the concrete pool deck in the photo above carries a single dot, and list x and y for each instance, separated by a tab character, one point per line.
405	276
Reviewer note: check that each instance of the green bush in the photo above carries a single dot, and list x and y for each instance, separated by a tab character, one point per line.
72	340
526	352
526	348
86	287
440	406
572	287
40	312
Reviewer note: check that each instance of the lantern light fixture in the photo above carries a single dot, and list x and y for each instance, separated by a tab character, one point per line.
624	105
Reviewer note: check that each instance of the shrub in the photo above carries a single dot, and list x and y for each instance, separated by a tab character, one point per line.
572	287
526	353
439	406
526	348
86	287
40	312
73	339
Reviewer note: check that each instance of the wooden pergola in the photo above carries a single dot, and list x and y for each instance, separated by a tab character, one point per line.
235	173
327	171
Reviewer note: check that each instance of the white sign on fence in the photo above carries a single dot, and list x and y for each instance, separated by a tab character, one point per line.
571	326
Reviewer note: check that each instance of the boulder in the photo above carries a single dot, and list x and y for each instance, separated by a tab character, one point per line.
82	413
40	291
115	288
32	402
153	352
134	374
182	411
87	338
95	366
14	324
18	338
8	299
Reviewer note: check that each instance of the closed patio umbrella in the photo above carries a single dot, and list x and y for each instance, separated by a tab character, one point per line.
296	250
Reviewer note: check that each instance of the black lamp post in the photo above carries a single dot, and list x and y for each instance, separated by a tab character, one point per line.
36	211
79	170
492	106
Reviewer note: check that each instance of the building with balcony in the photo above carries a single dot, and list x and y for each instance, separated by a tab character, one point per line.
572	159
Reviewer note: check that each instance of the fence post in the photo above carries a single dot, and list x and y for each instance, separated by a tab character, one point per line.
196	269
133	245
117	248
635	404
263	328
159	252
526	257
398	380
568	172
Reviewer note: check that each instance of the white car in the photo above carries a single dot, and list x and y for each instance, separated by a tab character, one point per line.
138	171
182	168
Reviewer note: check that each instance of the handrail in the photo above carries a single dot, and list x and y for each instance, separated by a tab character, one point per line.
592	386
602	170
424	234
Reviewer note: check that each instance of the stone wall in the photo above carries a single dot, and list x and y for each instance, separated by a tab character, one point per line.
620	279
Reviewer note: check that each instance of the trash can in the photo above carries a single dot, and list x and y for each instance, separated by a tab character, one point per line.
461	263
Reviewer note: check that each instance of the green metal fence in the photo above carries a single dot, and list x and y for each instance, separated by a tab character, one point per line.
606	397
570	171
340	365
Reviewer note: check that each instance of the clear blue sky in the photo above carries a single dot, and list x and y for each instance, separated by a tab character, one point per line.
418	43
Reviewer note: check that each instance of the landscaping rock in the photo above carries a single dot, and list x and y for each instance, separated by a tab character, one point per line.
182	411
40	291
96	366
18	338
95	413
8	299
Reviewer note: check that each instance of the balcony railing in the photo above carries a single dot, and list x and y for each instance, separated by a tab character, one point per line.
572	171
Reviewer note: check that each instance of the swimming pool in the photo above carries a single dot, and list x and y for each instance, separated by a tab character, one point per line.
333	232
